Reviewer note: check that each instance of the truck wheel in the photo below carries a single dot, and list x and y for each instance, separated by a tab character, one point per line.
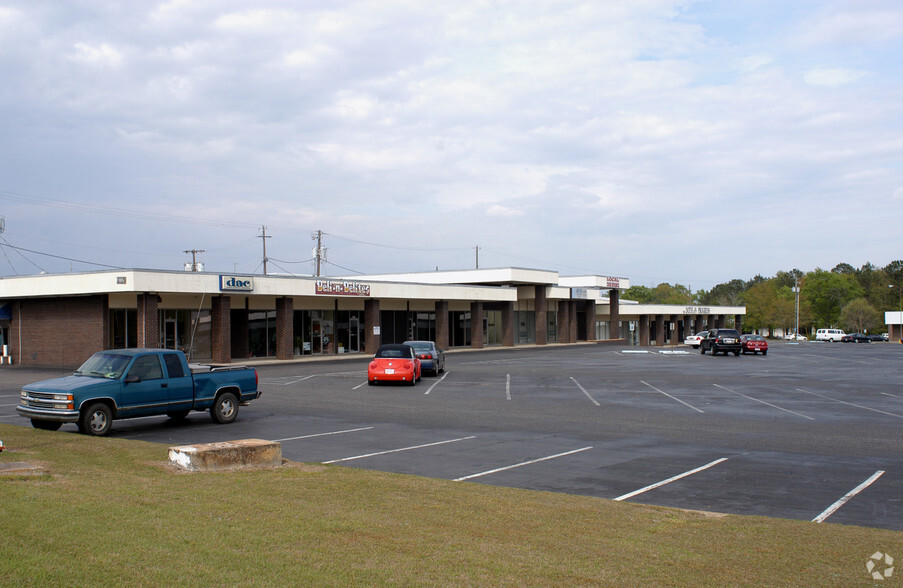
736	353
702	350
224	409
46	425
96	420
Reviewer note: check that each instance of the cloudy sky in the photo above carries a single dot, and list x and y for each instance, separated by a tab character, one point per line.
670	141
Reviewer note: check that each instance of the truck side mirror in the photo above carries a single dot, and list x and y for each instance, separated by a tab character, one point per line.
132	379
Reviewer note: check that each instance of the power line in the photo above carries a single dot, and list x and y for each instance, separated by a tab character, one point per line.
20	249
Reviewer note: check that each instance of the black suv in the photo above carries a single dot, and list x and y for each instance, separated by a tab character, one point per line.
723	340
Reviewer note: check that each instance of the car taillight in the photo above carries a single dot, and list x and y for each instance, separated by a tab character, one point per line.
425	356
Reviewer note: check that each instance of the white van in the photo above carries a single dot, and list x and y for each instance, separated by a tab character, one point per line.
829	335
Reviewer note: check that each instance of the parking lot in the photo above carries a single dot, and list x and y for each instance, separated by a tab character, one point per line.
812	431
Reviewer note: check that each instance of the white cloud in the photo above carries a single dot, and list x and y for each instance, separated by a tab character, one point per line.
833	76
97	55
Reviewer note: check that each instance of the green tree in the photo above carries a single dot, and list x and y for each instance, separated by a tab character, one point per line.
860	316
640	294
827	293
724	294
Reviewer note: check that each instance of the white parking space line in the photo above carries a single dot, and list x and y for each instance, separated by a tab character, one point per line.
436	383
765	403
2	405
593	400
669	480
893	395
850	403
323	434
361	385
508	386
518	465
11	416
400	449
846	497
672	397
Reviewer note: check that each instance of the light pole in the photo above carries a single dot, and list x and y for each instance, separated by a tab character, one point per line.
900	317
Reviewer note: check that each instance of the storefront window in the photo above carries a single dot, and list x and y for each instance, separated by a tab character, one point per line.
552	332
460	329
313	332
124	328
526	326
186	330
262	333
349	328
492	327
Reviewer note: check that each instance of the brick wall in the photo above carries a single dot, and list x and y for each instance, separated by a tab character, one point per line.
59	332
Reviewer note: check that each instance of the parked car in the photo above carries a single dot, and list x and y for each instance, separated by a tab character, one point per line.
830	335
694	339
721	340
753	344
855	338
394	363
874	338
796	337
431	357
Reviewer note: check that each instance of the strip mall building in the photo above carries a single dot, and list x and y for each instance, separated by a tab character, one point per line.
61	319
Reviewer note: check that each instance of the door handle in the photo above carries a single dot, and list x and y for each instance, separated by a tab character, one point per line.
164	385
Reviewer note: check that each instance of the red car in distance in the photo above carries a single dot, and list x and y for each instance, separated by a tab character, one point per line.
394	363
753	344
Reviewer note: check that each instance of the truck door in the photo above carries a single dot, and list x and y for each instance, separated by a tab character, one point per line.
181	384
148	392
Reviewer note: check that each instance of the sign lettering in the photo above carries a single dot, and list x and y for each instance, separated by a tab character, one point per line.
330	288
236	284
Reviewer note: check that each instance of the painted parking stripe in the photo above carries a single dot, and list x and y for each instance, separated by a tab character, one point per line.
401	449
508	386
3	405
893	395
672	397
671	479
593	400
436	383
765	403
850	403
846	497
324	434
524	463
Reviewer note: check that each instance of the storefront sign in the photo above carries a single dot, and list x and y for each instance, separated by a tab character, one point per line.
579	293
330	288
698	310
613	282
236	284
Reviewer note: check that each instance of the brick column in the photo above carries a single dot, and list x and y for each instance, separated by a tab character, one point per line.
371	320
738	322
572	321
614	314
221	329
476	325
508	324
564	324
285	328
644	330
442	326
541	317
148	321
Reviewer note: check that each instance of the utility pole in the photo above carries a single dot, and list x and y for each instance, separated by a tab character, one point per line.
264	236
796	288
318	252
477	249
194	261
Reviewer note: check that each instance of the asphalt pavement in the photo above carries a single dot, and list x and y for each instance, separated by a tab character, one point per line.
812	431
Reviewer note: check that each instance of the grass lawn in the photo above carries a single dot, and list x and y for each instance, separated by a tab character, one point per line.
114	512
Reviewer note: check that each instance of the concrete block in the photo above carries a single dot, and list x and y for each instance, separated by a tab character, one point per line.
228	455
20	468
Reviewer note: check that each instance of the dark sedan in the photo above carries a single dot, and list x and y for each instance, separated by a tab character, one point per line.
431	358
855	338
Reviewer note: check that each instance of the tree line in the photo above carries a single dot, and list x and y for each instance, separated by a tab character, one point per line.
845	297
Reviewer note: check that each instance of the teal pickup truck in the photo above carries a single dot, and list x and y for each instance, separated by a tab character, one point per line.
126	383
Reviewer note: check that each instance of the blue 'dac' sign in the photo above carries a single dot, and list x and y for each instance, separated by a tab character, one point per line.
236	284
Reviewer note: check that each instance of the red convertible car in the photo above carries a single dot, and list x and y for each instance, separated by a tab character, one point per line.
394	363
754	344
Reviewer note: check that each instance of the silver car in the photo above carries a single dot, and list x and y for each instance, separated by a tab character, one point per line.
431	358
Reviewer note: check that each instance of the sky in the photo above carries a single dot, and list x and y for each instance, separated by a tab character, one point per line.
679	141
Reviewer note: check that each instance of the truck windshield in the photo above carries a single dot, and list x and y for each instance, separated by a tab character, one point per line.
104	365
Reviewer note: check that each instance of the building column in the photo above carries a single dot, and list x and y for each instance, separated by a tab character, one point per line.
614	314
644	330
285	328
442	326
221	329
738	322
508	324
476	325
148	321
675	330
541	317
371	325
564	321
660	330
572	321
